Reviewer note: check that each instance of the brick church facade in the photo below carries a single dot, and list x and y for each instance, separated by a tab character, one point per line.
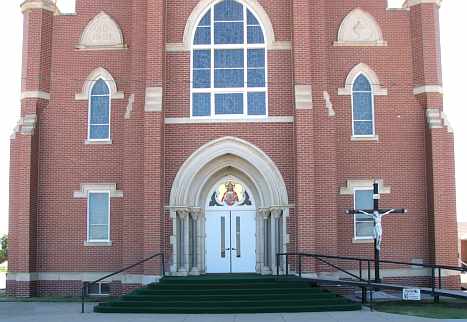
223	132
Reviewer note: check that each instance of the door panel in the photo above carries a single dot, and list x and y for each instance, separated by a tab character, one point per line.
231	242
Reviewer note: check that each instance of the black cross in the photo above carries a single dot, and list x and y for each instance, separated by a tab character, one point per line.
377	214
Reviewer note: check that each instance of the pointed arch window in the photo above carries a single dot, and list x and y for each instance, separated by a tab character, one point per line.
99	112
362	107
229	63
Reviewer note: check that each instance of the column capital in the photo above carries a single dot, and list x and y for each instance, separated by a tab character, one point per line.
264	213
196	213
183	213
276	212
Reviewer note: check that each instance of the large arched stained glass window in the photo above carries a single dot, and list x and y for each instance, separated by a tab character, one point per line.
363	107
229	71
99	112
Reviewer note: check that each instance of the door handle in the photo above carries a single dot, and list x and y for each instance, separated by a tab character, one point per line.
231	249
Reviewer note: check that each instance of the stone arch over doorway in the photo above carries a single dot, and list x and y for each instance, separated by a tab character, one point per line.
221	158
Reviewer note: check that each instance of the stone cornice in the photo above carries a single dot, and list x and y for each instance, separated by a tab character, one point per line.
411	3
47	5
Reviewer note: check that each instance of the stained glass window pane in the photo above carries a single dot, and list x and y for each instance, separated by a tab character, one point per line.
255	35
362	84
228	10
229	104
99	232
362	106
98	204
256	58
99	110
363	128
364	229
206	21
201	78
201	59
228	78
256	103
256	77
203	36
201	104
251	19
100	88
99	132
229	58
364	199
98	208
228	33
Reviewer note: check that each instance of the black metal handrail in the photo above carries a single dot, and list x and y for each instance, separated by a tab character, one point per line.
86	285
370	285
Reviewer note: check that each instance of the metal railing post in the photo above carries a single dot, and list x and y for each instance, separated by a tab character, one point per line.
299	265
84	291
277	264
287	265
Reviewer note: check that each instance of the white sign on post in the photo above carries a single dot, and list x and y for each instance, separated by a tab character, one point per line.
411	294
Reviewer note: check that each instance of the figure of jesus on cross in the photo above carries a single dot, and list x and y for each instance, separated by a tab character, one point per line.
377	214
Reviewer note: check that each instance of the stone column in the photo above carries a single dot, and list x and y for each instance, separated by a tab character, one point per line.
184	234
174	242
197	215
275	217
266	242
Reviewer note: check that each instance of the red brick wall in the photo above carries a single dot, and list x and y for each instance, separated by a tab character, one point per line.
315	154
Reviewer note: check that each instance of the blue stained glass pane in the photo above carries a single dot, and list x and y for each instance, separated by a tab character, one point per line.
256	103
255	35
363	128
99	132
362	106
99	109
203	36
206	21
202	59
251	19
226	78
229	104
100	88
228	58
364	199
201	78
362	84
201	104
98	208
256	58
256	78
228	10
228	33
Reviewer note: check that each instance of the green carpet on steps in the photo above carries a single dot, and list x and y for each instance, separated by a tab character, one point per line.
228	294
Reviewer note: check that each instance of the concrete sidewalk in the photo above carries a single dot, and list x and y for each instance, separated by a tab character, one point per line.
69	312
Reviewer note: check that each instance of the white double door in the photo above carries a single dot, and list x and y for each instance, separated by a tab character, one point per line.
231	241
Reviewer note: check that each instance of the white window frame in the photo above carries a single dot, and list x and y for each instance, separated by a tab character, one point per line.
355	189
109	95
99	285
372	107
88	217
245	90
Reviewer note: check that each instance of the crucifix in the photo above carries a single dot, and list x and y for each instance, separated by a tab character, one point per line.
377	215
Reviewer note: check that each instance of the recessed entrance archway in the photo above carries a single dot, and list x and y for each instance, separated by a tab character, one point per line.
213	163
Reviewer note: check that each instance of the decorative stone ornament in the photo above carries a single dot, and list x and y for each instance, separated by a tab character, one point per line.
102	33
359	28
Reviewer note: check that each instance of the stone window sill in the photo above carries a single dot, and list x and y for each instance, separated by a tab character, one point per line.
365	138
97	244
362	241
98	142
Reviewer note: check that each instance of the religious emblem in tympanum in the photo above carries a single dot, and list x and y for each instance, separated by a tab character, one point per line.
230	194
